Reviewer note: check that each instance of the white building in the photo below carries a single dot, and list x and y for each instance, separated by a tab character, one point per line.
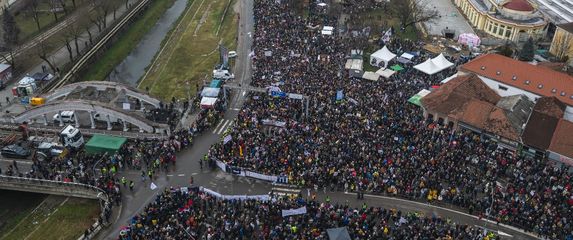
509	77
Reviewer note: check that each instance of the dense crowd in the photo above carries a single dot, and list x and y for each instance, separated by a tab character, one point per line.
188	213
372	139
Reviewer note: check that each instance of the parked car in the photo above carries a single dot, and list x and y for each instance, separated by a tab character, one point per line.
67	117
15	151
232	54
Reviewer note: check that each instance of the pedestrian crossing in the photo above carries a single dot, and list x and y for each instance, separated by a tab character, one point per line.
285	191
222	126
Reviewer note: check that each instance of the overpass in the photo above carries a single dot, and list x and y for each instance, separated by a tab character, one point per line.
101	86
52	187
92	107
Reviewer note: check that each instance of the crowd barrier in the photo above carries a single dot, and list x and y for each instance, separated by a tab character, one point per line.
235	197
245	173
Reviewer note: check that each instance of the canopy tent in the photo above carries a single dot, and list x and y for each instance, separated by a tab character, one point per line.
353	64
372	76
215	83
386	73
208	102
355	73
416	98
407	56
397	67
469	39
434	65
340	233
381	57
104	144
210	92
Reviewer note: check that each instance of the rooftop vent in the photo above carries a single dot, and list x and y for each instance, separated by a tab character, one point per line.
498	73
540	86
527	82
563	94
514	78
553	90
482	67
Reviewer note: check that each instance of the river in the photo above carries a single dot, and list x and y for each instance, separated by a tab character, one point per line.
132	68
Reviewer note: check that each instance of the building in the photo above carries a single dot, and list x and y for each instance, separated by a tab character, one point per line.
562	43
5	73
557	12
467	102
510	77
514	20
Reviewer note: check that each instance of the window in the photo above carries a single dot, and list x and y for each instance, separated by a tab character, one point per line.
504	88
501	29
494	29
508	32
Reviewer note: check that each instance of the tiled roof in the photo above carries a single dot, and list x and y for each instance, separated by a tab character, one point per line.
539	130
453	95
562	141
519	5
550	106
535	79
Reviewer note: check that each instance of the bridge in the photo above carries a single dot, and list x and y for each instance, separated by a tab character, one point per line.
92	107
52	187
101	86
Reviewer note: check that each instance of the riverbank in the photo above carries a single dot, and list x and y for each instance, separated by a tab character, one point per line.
191	51
127	41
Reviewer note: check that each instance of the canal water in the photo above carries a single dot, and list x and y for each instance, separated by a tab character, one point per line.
132	68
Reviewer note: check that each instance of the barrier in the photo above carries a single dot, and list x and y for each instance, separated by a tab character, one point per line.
242	172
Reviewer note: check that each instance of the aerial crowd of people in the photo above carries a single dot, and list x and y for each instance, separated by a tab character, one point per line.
371	139
189	213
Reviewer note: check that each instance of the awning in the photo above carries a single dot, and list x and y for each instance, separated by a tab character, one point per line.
215	83
386	73
353	64
416	98
397	68
407	56
372	76
208	102
210	92
104	144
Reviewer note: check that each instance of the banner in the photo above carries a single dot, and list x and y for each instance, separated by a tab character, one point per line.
296	211
224	56
261	176
227	139
274	123
235	197
153	186
387	35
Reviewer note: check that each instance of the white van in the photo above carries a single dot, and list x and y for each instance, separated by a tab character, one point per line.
67	117
103	118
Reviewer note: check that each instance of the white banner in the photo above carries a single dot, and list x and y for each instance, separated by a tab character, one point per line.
261	176
221	165
235	197
227	139
296	211
274	123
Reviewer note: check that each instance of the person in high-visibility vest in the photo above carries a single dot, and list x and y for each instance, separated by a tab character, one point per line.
123	181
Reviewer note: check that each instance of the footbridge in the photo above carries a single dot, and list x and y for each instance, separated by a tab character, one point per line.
101	86
92	107
52	187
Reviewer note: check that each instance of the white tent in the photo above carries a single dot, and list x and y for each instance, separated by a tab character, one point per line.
372	76
407	56
434	65
208	102
353	64
386	73
381	57
210	92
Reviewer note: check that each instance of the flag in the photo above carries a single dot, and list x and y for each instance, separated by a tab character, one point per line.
227	139
153	186
339	95
241	150
387	35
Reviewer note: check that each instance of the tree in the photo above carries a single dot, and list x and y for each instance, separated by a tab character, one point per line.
506	50
528	50
410	12
32	7
10	29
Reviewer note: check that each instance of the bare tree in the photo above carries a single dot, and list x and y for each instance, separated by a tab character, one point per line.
410	12
42	49
32	7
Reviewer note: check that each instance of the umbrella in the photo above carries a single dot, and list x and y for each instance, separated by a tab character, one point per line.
397	68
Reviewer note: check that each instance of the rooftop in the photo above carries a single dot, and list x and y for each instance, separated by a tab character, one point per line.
535	79
562	142
539	130
519	5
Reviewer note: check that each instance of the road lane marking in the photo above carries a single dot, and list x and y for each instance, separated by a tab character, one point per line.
181	175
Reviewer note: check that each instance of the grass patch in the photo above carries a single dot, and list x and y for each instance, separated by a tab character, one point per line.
127	41
380	20
27	24
189	57
52	220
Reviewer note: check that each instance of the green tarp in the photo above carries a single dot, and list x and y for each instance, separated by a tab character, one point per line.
215	84
103	144
416	98
397	68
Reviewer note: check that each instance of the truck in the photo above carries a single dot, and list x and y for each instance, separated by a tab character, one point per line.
222	74
71	137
